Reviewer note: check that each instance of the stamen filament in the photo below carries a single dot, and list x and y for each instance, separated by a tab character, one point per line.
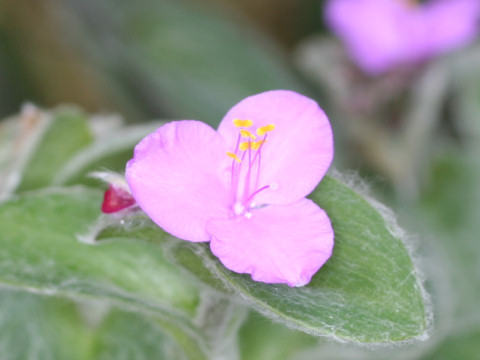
249	171
257	177
247	143
250	198
257	144
254	145
234	177
259	154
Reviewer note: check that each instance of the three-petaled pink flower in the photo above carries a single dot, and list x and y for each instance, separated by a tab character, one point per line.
381	34
243	187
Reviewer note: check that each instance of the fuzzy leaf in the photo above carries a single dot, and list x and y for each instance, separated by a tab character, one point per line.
62	146
40	328
41	253
40	250
261	339
19	139
124	335
110	150
367	292
48	328
67	132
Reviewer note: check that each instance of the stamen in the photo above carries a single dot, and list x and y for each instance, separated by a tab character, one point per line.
245	145
247	134
257	144
254	145
264	129
242	123
247	173
235	174
259	162
258	155
234	157
250	198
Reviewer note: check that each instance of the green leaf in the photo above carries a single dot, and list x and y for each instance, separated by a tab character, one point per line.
367	292
110	150
19	139
67	132
262	339
124	335
40	252
49	328
41	328
62	146
371	271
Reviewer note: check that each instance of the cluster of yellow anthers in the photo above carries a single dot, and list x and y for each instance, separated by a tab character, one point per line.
245	134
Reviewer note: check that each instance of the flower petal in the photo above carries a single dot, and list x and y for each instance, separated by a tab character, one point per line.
179	177
381	34
298	151
278	244
450	24
374	31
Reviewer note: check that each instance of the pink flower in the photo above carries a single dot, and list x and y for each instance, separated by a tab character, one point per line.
380	34
243	187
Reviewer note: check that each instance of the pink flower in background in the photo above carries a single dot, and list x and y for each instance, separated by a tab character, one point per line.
380	34
243	186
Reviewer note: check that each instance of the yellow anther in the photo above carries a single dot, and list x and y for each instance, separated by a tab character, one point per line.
246	133
256	144
264	129
234	157
242	123
244	145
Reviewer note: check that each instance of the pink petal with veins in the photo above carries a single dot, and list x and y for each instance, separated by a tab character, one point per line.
278	244
298	152
179	177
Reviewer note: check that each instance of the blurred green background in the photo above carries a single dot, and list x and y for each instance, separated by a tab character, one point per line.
145	58
416	142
